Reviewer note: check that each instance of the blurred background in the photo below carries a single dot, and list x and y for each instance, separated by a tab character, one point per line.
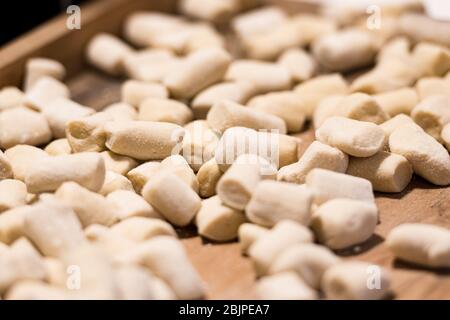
18	17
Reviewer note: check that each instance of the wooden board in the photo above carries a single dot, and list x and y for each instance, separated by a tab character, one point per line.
227	273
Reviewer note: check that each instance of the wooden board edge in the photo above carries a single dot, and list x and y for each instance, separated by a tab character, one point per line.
54	40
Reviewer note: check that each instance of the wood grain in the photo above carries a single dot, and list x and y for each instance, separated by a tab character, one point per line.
227	273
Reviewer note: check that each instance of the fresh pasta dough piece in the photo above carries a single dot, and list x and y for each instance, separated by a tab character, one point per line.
428	157
388	172
356	138
341	223
317	155
274	201
422	244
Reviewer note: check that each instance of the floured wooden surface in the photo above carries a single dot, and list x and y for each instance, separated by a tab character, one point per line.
229	275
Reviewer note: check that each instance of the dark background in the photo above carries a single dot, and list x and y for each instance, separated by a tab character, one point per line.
18	16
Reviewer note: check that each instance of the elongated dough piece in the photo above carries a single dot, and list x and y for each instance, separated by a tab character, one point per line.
286	104
23	126
141	27
341	223
96	272
213	11
393	70
388	172
269	45
432	114
362	107
50	219
236	91
172	197
356	280
87	133
227	114
274	201
327	108
143	140
117	163
284	286
141	174
259	20
345	50
11	97
308	260
314	90
218	222
20	262
401	101
90	207
151	64
164	110
135	283
284	234
278	149
129	205
167	259
177	165
431	59
248	233
428	157
301	65
357	138
108	241
61	111
420	27
12	224
13	193
121	111
199	143
49	173
264	76
134	92
114	182
35	290
23	157
430	86
39	67
201	69
189	39
143	228
317	155
58	147
327	185
44	91
421	244
394	123
107	52
208	176
236	186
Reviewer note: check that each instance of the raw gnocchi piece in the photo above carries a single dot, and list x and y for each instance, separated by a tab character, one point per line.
421	244
356	138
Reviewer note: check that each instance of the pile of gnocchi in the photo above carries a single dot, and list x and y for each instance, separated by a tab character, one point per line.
207	134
